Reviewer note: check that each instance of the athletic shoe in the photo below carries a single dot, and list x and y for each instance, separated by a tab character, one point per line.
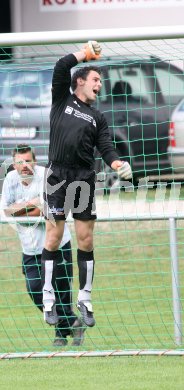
86	310
77	332
50	314
60	342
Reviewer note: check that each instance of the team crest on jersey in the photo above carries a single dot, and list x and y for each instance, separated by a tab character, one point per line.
94	123
68	110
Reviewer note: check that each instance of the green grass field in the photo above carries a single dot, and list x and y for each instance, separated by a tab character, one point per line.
132	298
132	292
112	373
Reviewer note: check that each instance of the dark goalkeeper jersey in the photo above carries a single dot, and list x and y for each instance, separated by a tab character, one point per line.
75	127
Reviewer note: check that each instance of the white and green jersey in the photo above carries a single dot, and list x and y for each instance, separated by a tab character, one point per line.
32	237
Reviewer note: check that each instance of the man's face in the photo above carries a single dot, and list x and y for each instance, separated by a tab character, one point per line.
24	164
91	86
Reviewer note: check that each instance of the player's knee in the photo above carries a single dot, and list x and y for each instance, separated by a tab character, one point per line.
53	237
86	243
52	242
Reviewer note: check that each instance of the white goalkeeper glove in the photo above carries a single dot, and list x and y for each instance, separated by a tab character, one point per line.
92	50
125	171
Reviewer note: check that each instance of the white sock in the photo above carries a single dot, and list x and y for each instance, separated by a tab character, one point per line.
48	291
84	295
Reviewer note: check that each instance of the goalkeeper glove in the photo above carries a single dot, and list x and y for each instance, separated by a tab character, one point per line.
125	171
92	50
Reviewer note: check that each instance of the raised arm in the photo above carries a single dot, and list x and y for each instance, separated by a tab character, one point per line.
61	80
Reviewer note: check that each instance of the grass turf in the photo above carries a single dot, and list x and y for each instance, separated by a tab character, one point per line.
132	293
112	373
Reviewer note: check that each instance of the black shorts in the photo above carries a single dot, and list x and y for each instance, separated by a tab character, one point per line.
69	189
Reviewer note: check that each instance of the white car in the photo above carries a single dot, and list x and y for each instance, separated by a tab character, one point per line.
176	139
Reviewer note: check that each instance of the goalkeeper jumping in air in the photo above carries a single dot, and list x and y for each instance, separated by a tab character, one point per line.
75	129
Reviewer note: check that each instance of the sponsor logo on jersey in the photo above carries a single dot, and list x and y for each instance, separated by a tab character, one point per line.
69	110
82	115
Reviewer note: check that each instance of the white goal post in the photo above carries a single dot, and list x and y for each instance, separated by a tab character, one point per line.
103	35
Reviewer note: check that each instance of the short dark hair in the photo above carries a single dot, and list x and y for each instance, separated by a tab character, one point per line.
83	73
23	148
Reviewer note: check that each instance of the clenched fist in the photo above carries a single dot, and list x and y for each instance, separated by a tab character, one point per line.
92	50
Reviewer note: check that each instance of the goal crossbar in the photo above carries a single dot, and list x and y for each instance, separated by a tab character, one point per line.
73	36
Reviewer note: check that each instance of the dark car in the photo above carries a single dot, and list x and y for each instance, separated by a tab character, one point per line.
25	100
137	98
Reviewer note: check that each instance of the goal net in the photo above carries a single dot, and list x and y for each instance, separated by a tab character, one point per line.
138	239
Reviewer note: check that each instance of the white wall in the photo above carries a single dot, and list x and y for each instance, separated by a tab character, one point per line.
26	15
